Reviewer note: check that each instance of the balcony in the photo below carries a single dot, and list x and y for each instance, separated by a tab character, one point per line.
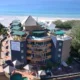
2	54
39	52
48	57
29	51
39	46
19	38
49	45
3	43
49	50
29	58
29	46
7	58
38	59
43	39
5	50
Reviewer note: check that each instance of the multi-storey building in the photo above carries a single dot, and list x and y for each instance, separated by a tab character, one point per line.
38	47
4	48
61	48
33	45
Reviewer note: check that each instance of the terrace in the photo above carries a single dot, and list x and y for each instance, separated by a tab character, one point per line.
19	38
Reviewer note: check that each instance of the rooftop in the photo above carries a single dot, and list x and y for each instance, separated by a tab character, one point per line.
19	33
38	32
15	28
64	37
59	32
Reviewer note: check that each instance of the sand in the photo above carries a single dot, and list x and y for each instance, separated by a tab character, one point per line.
6	20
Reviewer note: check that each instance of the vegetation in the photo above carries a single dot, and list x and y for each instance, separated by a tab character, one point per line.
2	30
49	64
69	61
75	33
19	38
66	24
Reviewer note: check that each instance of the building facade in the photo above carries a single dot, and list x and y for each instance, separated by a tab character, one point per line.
32	45
61	48
38	47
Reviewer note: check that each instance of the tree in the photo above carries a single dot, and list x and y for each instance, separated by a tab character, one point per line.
49	64
66	24
3	30
59	24
75	33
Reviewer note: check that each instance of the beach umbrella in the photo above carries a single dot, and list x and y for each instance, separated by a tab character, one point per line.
41	72
8	69
16	63
28	67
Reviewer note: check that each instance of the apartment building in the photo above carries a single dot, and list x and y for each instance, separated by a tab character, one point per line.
30	43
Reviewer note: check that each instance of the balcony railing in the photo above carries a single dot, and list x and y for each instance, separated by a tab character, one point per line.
29	57
49	45
39	52
39	46
29	46
5	50
49	50
38	59
29	51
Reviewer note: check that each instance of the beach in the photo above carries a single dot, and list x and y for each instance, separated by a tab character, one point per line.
6	19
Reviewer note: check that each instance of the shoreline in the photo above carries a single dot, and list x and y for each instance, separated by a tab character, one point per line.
6	19
2	17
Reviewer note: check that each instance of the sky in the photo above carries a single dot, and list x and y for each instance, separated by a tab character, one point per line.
40	7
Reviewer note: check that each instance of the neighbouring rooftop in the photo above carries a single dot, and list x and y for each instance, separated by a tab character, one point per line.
64	37
59	32
19	33
16	28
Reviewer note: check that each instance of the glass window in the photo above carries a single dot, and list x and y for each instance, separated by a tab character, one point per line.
59	50
59	55
22	51
60	44
21	45
22	57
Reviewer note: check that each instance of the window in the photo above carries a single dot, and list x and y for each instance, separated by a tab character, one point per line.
7	54
22	57
22	51
6	47
59	55
60	44
7	41
59	50
32	56
21	45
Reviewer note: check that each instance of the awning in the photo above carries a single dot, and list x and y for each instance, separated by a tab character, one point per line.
41	72
9	69
16	63
28	67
